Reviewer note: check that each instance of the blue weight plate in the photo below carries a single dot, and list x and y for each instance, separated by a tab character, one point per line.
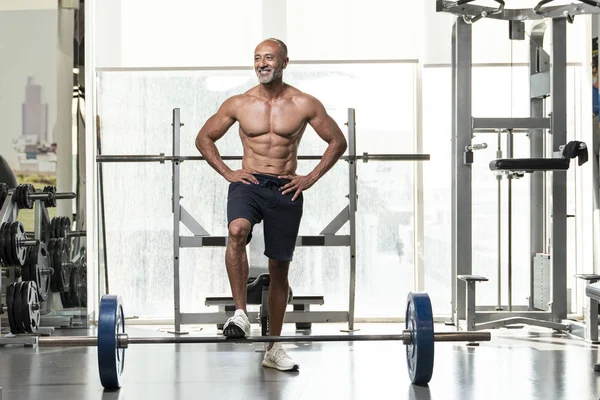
111	358
419	354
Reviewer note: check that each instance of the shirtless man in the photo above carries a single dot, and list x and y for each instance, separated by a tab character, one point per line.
272	117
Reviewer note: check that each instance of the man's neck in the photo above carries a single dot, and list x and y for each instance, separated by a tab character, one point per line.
273	90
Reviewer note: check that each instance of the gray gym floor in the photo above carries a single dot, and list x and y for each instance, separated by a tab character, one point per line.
523	364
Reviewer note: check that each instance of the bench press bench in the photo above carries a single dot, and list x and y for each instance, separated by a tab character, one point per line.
257	294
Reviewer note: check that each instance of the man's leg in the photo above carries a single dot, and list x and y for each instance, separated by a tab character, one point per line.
281	230
278	296
276	356
236	262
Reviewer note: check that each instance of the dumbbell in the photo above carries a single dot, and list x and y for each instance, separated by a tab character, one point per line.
25	196
14	244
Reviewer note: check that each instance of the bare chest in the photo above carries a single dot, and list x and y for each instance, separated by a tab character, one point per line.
283	119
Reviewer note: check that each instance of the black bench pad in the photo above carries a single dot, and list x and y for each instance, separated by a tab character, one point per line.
530	164
593	291
470	278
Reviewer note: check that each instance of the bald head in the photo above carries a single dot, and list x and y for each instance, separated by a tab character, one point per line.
277	42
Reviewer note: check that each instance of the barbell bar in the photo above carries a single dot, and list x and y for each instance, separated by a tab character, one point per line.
123	340
111	342
48	196
73	234
161	158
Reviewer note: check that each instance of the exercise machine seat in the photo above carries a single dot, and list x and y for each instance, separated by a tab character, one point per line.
530	164
573	149
255	288
593	291
6	174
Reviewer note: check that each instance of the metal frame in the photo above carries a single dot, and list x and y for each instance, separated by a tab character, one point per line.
202	238
327	237
472	13
465	314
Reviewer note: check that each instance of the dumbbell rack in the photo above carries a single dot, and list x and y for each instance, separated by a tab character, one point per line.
50	315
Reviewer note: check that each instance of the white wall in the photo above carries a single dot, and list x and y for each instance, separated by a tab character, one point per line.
189	33
107	33
180	33
341	29
11	5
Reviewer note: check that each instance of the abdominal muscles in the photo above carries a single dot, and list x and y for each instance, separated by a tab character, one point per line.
270	153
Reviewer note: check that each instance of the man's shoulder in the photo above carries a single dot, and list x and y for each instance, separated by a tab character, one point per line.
302	98
239	97
237	100
308	103
250	92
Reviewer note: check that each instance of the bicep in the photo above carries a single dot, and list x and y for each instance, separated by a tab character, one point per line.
219	123
323	124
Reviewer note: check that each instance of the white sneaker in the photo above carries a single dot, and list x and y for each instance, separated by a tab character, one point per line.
237	326
277	358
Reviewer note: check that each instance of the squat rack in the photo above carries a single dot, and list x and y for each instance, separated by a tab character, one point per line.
548	295
202	238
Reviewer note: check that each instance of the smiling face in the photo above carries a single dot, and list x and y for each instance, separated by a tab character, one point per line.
270	59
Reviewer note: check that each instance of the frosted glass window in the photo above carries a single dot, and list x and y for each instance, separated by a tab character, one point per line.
135	113
139	238
381	94
385	239
355	29
492	97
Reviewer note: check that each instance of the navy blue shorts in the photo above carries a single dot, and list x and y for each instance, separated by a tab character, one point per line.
264	202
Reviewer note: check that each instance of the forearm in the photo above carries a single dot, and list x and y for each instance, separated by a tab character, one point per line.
209	151
332	154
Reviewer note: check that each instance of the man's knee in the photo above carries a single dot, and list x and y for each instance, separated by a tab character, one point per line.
239	230
278	270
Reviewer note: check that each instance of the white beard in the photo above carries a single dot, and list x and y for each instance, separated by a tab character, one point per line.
270	77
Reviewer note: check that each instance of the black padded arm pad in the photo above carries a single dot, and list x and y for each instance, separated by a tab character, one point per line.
472	278
588	277
529	164
593	291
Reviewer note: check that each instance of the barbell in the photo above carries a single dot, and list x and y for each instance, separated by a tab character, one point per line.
25	196
161	158
111	342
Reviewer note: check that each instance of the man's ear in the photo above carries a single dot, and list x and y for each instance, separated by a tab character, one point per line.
286	62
